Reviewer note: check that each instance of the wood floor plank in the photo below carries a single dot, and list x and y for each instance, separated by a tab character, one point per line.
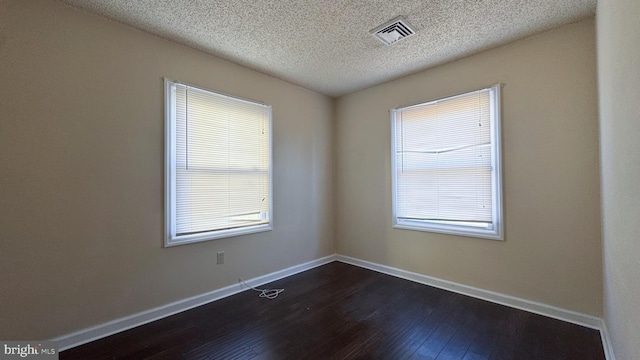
470	355
340	311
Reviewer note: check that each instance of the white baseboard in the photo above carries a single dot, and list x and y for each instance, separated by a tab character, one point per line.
507	300
93	333
606	342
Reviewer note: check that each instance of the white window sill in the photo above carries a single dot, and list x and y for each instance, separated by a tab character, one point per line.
214	235
489	234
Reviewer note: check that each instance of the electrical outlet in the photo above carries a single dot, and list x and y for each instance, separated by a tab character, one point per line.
220	258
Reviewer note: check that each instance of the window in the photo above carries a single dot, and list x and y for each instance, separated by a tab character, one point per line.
446	165
218	165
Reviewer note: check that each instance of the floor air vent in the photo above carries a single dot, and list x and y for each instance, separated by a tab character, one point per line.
392	31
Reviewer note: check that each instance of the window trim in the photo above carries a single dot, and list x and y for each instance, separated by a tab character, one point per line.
170	237
497	232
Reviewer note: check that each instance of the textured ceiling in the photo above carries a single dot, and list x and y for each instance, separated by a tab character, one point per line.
325	45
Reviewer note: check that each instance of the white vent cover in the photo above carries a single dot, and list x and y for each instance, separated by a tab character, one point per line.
393	30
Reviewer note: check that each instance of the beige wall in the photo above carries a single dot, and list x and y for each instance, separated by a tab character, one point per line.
552	252
81	173
619	94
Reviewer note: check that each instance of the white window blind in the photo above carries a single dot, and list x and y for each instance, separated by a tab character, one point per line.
446	164
221	165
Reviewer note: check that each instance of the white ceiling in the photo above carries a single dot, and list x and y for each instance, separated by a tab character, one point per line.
325	45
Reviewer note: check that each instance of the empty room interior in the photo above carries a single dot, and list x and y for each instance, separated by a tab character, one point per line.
136	224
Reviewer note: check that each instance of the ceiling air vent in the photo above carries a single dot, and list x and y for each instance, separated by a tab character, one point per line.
393	30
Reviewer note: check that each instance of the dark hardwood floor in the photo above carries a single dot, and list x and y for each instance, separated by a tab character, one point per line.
339	311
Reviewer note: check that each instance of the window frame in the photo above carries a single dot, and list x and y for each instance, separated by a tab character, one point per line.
170	238
497	231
